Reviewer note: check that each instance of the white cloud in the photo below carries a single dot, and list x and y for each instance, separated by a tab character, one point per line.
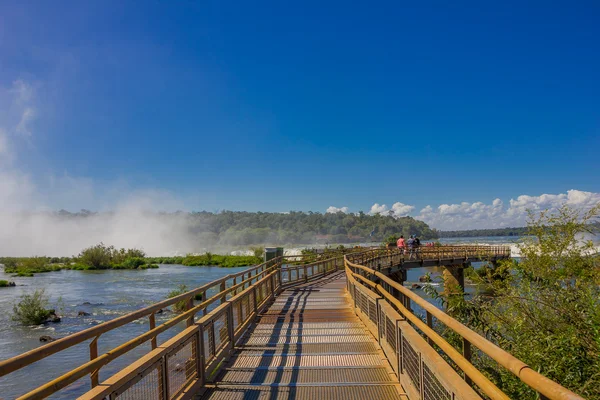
27	116
3	146
401	210
19	107
378	209
398	209
480	215
334	210
22	91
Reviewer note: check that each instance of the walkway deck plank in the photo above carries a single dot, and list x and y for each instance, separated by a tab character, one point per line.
309	345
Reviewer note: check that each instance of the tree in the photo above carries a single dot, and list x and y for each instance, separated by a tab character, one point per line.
31	309
545	308
98	256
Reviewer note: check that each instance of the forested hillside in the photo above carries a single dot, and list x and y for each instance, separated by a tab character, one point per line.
248	228
522	231
483	232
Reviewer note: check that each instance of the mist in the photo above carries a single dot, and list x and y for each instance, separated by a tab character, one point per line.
52	234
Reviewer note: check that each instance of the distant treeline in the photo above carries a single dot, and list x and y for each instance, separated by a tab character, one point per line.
483	232
233	228
522	231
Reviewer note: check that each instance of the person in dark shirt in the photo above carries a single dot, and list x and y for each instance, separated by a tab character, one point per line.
417	246
410	243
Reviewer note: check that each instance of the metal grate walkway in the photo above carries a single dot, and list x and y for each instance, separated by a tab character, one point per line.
309	345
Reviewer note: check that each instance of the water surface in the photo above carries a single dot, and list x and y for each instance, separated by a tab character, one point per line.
104	295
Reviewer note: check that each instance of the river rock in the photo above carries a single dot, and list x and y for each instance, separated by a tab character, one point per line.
52	317
46	338
415	286
83	314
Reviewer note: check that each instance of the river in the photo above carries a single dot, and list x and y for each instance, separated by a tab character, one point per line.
104	295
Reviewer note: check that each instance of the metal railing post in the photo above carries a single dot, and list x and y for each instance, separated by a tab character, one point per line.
190	304
152	321
200	359
165	379
429	324
230	330
93	355
467	356
255	305
222	289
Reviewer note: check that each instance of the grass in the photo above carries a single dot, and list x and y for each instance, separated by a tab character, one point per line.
164	260
221	261
4	283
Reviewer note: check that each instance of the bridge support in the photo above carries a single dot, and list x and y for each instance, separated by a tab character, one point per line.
454	279
400	277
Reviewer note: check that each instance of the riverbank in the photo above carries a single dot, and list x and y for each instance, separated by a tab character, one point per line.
28	266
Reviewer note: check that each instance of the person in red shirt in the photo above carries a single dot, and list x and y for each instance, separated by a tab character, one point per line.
401	245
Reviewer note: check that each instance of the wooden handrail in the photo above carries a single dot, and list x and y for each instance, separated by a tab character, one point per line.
263	272
104	389
481	380
24	359
533	379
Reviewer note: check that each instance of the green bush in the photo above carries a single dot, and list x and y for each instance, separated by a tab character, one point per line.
133	262
101	256
4	283
221	261
23	274
32	309
9	262
180	306
164	260
148	266
392	239
122	255
97	257
258	251
27	266
80	267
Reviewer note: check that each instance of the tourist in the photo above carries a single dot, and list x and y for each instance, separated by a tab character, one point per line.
417	246
410	243
401	244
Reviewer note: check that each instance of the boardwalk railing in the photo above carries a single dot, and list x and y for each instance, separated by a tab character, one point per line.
182	364
381	258
385	306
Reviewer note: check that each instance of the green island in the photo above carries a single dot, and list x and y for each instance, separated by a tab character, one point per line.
102	257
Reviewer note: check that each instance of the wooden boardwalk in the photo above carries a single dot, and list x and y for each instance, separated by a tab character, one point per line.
349	333
308	345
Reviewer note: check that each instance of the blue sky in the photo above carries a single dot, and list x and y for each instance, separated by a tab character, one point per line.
280	106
